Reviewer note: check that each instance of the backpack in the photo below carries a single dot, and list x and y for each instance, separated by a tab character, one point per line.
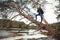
40	11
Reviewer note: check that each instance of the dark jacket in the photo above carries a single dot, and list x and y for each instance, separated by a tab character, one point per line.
40	11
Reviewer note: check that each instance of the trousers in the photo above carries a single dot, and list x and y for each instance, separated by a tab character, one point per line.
41	15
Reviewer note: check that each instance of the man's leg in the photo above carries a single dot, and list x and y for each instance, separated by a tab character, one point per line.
36	17
41	18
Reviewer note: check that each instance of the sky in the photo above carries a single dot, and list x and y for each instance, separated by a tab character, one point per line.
49	12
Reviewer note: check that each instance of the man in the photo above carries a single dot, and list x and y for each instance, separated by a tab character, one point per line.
40	11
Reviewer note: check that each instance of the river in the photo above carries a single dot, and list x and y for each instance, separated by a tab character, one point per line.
32	34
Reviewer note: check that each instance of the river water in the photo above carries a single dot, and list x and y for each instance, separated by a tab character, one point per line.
31	34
